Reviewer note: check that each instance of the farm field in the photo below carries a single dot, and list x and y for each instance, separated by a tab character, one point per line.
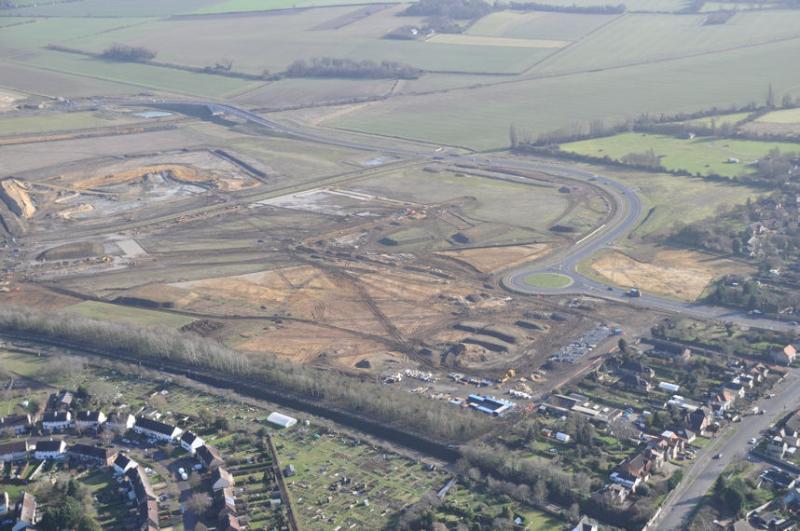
61	122
228	6
665	6
701	156
110	8
298	92
460	117
538	25
636	39
787	116
720	119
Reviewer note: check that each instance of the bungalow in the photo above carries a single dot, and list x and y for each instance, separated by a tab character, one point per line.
26	513
122	463
209	457
120	422
56	420
92	454
85	420
14	451
785	356
156	430
220	479
17	424
191	442
50	450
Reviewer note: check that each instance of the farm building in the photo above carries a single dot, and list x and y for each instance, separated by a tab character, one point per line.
490	405
281	420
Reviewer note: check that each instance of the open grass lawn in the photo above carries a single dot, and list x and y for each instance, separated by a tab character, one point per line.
267	5
548	280
720	119
124	314
785	116
703	156
538	25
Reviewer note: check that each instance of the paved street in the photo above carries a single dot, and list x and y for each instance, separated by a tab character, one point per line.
734	445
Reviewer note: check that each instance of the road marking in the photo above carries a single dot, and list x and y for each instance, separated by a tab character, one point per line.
595	231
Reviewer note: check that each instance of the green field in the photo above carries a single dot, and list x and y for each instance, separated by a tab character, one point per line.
701	155
786	116
720	119
462	117
125	314
60	122
267	5
538	25
548	280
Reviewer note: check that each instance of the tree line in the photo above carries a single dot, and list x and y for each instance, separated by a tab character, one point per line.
128	54
604	9
347	68
435	419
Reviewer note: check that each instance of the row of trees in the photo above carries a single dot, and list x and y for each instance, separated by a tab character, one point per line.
601	9
429	418
128	54
348	68
451	9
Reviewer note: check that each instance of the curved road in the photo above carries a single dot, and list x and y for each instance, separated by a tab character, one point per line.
566	263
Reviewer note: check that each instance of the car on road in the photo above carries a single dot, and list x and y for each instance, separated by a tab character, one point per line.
718	456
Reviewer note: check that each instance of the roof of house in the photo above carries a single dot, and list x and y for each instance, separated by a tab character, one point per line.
91	451
227	498
189	437
793	422
14	447
222	474
154	425
209	455
56	416
27	508
122	461
50	446
228	522
88	416
65	397
148	513
15	420
141	484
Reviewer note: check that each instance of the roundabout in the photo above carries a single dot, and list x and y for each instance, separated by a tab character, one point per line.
547	281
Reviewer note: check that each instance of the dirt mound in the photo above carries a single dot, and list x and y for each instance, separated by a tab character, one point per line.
180	173
15	194
72	251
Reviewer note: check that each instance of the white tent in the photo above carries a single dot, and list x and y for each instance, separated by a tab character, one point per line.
281	420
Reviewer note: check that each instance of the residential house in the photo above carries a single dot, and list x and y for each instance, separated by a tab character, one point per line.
698	420
633	471
53	449
688	436
221	478
16	424
723	401
759	372
226	499
586	524
27	516
61	401
736	386
784	356
209	457
156	430
778	479
85	420
92	454
638	367
228	522
120	422
614	494
14	451
142	489
148	515
776	447
791	428
56	421
123	463
191	442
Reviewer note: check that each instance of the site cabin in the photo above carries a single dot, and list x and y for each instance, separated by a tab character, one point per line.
18	424
191	442
57	421
280	420
85	420
26	513
156	430
50	450
14	451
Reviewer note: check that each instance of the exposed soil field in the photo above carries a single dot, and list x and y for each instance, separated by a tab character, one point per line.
493	259
676	273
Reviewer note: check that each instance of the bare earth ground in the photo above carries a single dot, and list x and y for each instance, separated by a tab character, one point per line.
677	273
490	260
